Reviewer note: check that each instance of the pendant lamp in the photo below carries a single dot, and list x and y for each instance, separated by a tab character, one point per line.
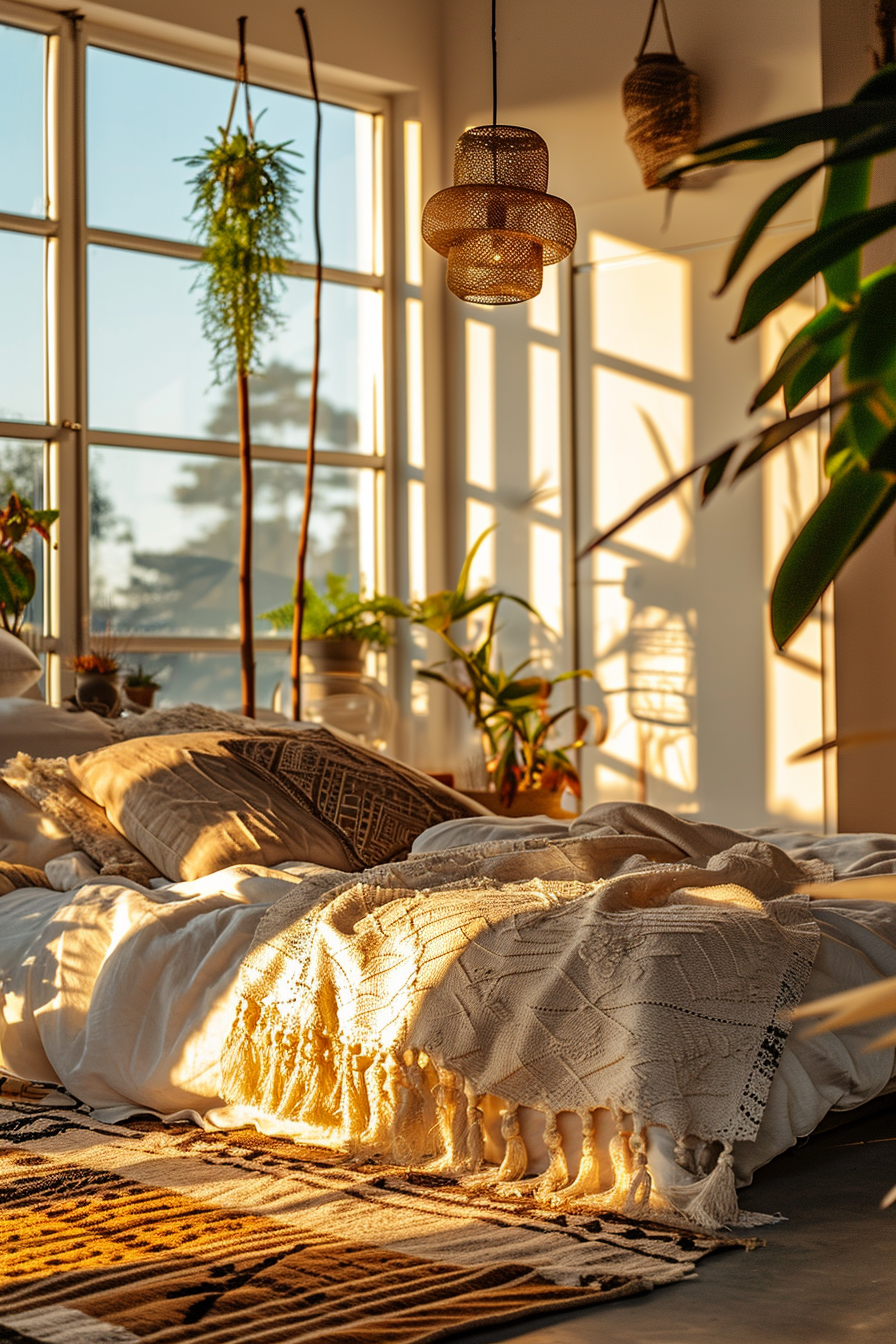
497	225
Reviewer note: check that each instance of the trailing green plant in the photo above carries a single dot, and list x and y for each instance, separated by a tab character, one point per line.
18	579
339	613
852	338
511	711
243	212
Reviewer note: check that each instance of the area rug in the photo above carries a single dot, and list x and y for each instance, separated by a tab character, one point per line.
114	1233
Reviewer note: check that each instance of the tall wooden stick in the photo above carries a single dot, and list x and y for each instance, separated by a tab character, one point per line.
302	554
247	633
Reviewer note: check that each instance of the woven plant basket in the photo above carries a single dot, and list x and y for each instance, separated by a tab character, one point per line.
661	102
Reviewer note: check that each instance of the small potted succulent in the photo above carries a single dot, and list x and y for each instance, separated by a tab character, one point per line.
140	687
96	682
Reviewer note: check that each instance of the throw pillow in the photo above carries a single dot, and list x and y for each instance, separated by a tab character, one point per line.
194	808
42	731
27	835
20	668
45	784
376	806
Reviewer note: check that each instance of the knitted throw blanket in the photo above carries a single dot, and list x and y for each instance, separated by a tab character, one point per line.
643	965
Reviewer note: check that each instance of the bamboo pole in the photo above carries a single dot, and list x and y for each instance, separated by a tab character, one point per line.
247	632
295	666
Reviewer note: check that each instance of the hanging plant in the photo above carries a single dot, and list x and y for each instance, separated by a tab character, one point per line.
661	102
243	211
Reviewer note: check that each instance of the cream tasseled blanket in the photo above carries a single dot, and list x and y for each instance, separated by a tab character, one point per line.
644	965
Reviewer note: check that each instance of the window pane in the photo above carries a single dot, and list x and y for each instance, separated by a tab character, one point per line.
150	367
22	377
165	538
143	116
210	678
22	471
22	58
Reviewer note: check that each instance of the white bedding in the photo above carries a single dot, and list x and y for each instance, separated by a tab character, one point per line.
125	996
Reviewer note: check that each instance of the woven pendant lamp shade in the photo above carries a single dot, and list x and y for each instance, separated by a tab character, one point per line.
497	225
661	102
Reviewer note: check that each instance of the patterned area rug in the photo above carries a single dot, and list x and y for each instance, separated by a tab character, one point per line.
115	1233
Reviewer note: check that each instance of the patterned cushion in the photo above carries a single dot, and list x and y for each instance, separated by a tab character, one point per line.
375	806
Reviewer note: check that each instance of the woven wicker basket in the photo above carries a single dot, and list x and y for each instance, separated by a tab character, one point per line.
661	102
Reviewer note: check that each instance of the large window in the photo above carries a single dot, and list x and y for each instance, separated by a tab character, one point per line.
108	406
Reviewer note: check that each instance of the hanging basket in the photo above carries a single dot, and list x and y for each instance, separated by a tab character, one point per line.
661	102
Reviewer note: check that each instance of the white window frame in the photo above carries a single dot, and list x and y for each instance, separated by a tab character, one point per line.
66	434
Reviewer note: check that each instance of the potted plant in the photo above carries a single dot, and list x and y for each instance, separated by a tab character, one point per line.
18	579
140	687
512	712
96	682
338	627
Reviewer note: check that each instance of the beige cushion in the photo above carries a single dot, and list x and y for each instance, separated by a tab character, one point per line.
45	783
27	836
20	668
42	731
192	808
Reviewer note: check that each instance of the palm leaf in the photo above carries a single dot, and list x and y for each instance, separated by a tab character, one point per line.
807	258
826	541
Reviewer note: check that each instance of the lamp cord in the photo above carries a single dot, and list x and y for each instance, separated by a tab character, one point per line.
494	62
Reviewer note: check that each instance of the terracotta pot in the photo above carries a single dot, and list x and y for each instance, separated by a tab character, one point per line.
141	695
527	803
335	655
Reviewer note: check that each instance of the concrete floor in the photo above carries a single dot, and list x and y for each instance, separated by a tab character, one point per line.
825	1276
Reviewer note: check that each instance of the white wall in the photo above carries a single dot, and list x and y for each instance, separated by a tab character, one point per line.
700	579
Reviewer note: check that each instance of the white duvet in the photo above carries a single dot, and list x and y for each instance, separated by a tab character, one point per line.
125	996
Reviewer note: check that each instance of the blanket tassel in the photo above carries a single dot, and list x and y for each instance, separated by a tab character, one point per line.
587	1180
557	1174
637	1201
712	1201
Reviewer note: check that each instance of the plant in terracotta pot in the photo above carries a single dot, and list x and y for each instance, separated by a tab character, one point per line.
338	627
529	770
140	687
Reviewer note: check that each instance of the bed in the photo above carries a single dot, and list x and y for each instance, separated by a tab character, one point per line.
276	990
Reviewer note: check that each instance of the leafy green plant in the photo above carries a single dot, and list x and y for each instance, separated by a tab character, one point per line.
17	575
339	613
137	677
511	711
243	210
852	338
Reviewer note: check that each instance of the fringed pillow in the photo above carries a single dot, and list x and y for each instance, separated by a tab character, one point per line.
46	784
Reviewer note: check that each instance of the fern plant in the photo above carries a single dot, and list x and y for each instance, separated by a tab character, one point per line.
243	211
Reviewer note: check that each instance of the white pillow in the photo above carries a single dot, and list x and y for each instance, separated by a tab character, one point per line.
41	730
19	667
